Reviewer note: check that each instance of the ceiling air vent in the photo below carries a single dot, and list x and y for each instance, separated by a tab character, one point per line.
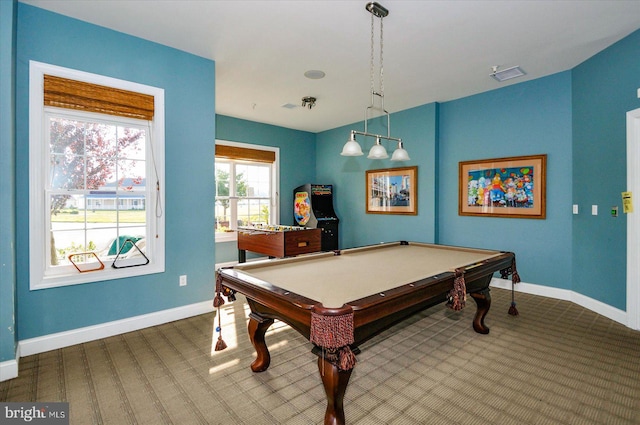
507	74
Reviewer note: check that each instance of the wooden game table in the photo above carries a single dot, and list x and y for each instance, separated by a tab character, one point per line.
339	300
278	241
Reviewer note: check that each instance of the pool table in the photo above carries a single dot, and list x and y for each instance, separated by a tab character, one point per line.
340	299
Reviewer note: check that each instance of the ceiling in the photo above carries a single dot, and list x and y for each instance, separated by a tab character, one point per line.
434	51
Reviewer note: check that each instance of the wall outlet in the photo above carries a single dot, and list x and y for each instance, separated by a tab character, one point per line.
183	280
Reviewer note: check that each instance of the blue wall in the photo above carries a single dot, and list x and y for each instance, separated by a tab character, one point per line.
529	118
189	87
604	89
418	130
297	163
576	117
8	336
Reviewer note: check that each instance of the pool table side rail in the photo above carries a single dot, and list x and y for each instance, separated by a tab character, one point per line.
251	286
472	272
378	312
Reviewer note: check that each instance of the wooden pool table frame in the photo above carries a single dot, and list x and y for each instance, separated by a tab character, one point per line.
372	314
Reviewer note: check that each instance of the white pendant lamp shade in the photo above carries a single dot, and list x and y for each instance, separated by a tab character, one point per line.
400	154
378	151
352	148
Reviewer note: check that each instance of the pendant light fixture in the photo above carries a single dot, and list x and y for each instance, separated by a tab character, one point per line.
378	151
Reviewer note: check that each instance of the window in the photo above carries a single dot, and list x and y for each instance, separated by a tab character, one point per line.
246	182
97	168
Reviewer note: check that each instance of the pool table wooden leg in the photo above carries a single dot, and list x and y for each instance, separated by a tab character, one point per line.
335	384
258	326
483	302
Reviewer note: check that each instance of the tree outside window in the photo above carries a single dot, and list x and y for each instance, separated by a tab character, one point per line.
97	185
243	194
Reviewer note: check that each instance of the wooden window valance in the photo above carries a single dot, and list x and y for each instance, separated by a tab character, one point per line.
72	94
235	152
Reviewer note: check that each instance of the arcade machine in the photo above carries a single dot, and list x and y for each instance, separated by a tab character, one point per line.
313	207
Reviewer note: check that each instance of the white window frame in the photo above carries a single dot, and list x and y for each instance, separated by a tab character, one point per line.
274	209
38	164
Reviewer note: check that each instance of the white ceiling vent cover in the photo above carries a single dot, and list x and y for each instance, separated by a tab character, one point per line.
507	74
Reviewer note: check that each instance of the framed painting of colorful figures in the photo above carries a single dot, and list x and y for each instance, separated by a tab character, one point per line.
503	187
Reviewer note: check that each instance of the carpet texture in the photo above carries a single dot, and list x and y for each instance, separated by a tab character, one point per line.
556	363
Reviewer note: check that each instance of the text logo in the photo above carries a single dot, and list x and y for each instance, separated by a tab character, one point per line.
34	413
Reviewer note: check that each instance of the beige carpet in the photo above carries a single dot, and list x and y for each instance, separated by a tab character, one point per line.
556	363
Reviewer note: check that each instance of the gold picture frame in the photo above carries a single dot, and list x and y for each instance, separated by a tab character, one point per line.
392	191
512	187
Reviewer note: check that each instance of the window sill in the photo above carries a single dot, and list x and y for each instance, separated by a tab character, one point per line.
226	237
91	277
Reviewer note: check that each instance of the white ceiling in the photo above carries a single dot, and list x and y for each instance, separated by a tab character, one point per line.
434	51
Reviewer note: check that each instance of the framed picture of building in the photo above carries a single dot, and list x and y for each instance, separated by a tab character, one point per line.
503	187
392	191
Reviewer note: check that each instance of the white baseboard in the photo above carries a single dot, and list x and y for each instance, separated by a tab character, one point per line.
50	342
596	306
9	368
